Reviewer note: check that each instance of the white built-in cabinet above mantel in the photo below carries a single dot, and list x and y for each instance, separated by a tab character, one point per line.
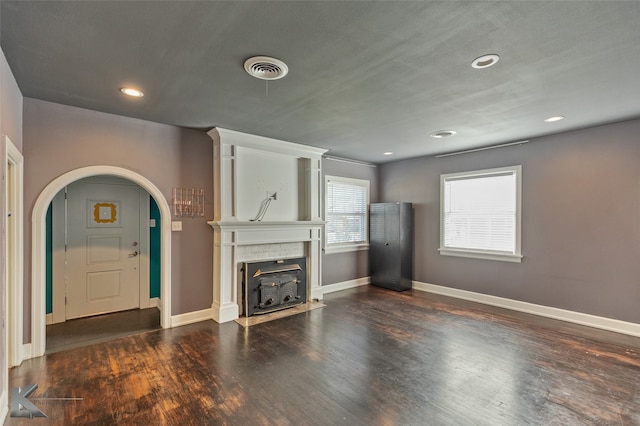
249	168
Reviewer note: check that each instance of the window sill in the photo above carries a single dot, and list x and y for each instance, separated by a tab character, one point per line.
503	257
345	248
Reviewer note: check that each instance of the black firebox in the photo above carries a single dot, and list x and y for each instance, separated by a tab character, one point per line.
273	285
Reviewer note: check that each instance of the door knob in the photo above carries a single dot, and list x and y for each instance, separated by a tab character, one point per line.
134	254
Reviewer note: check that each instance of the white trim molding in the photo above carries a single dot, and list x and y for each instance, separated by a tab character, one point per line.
617	326
4	405
26	350
38	246
345	285
191	317
346	249
14	254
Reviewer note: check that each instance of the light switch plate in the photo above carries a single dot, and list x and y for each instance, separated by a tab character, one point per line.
176	225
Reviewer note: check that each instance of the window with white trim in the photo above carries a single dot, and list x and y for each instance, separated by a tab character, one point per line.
480	214
346	218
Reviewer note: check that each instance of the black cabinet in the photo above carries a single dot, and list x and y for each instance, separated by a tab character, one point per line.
391	245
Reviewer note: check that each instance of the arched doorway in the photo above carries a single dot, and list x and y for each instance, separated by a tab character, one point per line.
38	246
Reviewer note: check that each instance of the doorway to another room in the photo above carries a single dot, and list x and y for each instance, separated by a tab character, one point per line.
103	262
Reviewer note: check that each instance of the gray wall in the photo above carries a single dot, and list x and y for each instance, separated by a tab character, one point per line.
59	138
339	267
10	125
581	221
581	204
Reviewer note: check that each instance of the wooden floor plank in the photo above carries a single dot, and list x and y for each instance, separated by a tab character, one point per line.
100	328
370	357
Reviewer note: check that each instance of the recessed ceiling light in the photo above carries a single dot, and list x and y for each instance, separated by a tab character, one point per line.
132	92
266	68
554	118
485	61
443	134
387	153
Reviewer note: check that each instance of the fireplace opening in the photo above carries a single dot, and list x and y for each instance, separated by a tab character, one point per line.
273	285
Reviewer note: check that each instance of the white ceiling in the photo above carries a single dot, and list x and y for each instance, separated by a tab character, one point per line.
364	77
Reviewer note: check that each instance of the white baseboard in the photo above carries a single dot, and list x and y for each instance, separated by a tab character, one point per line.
155	302
225	313
4	404
48	319
316	293
191	317
229	313
26	352
603	323
344	285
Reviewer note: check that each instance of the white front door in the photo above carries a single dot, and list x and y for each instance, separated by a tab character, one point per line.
103	248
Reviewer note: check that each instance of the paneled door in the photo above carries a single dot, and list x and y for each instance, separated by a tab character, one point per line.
103	248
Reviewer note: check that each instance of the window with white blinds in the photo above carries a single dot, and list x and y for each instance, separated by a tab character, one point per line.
346	219
480	214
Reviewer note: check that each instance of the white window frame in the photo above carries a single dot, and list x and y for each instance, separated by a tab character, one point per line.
516	255
351	246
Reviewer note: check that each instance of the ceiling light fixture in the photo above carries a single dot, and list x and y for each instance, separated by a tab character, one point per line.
554	118
485	61
387	153
135	93
440	134
266	68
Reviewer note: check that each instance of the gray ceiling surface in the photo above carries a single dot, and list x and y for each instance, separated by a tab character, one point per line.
365	77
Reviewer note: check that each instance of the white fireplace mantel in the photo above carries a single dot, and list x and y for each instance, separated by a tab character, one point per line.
231	237
268	232
246	169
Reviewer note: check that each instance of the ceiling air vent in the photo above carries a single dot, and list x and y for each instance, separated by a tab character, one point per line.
266	68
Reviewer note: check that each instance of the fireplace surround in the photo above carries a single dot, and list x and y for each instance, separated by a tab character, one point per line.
247	170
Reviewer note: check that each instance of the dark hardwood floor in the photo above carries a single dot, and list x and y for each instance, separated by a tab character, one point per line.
370	357
101	328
